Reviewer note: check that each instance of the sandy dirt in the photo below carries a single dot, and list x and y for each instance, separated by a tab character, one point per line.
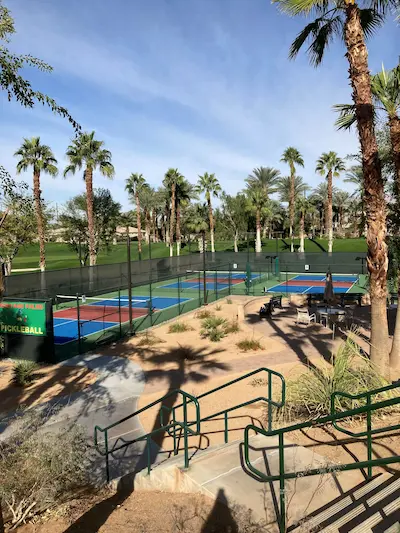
51	381
142	512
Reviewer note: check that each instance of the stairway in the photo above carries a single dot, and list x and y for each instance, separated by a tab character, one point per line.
336	502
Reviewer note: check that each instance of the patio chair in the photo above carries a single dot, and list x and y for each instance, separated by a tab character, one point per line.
336	321
304	317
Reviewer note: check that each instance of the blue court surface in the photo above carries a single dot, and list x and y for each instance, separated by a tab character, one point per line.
314	284
214	281
66	327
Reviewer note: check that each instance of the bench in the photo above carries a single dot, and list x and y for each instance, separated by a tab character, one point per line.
276	301
351	297
266	310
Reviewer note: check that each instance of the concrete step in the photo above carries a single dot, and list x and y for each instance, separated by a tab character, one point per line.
220	473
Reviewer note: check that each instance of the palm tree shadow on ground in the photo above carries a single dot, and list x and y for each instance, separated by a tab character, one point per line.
95	517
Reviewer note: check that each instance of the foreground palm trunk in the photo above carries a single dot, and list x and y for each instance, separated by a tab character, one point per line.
394	127
90	215
377	258
138	223
39	219
329	213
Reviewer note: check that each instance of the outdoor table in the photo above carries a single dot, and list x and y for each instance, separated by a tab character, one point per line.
328	312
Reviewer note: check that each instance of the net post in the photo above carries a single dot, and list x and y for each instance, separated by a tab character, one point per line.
78	316
199	286
119	312
151	299
216	283
230	279
204	270
128	252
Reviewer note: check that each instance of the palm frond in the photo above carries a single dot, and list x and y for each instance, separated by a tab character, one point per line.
347	116
382	7
322	38
295	7
371	20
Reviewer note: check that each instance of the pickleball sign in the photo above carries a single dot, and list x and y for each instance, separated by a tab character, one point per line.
23	318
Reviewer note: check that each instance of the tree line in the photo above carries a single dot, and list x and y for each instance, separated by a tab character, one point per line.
374	98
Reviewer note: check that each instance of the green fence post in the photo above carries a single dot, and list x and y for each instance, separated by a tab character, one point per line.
199	286
226	426
230	279
282	498
179	295
369	436
185	433
269	402
78	317
106	452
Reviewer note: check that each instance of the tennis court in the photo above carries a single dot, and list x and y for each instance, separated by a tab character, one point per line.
214	280
314	283
74	318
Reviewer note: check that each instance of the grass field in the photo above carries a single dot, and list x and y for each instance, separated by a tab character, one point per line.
59	255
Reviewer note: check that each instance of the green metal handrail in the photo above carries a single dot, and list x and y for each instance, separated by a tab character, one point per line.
283	476
184	425
269	400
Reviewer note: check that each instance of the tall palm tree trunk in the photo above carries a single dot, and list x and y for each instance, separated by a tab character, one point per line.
258	231
138	223
172	221
211	217
301	247
329	214
178	228
377	259
235	241
154	224
394	128
90	215
39	220
291	209
148	225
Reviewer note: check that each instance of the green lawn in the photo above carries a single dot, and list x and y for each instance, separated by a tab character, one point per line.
59	255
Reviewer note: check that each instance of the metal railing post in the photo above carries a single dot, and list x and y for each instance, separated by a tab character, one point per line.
106	451
185	433
78	316
282	496
226	426
269	402
148	454
369	436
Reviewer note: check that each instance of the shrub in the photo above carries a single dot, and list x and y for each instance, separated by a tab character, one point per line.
218	307
232	327
40	469
149	339
213	322
179	327
213	328
23	372
229	300
309	394
204	313
259	382
249	344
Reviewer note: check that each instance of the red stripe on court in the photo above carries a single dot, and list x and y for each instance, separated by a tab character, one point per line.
233	281
100	313
311	283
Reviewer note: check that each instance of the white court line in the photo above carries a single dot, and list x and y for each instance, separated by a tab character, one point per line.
63	323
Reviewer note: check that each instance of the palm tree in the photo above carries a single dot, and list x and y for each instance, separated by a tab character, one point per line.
267	178
41	159
348	21
133	186
355	176
197	223
146	196
209	185
342	201
330	165
284	188
303	207
171	178
319	197
292	157
385	87
258	201
184	193
85	151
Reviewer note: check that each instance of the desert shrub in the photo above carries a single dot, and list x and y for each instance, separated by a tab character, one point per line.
204	313
213	322
179	327
23	372
39	469
218	307
232	326
149	339
229	301
213	328
250	344
309	394
259	382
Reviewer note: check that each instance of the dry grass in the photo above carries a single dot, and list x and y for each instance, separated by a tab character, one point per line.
179	327
249	344
149	339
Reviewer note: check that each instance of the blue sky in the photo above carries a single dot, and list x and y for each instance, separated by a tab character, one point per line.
202	85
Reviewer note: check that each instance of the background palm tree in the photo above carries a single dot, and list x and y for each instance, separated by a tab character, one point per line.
348	21
342	201
319	197
85	151
184	193
292	157
133	186
267	178
303	207
258	201
146	195
171	178
330	165
197	223
209	185
41	159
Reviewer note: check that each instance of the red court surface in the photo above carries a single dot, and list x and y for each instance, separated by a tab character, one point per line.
100	313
